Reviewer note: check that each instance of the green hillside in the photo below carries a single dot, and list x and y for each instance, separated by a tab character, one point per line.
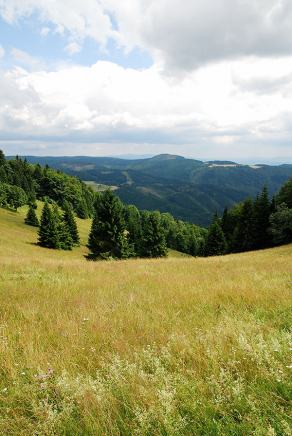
189	189
175	346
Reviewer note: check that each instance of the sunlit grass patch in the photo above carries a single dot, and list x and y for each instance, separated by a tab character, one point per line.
175	346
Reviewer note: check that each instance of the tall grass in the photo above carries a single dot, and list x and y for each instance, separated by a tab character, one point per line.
178	346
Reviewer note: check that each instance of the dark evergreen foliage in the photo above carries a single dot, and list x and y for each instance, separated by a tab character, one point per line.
215	241
120	231
153	242
38	183
285	194
262	211
108	235
244	233
281	225
54	231
69	219
31	218
48	230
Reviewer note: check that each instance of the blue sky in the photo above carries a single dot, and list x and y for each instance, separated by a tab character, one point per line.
104	77
27	35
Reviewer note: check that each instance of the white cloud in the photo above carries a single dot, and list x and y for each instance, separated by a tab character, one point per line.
204	113
180	35
236	105
79	19
45	31
23	58
73	48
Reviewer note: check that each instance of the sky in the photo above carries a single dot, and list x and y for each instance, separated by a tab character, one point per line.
209	79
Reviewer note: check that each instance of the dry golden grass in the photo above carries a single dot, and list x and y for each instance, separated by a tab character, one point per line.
171	347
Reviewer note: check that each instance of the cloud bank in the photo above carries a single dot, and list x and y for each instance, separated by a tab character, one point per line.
221	79
182	35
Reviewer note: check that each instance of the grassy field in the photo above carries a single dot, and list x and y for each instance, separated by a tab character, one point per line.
177	346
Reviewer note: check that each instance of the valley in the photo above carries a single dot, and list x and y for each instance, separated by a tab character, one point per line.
189	189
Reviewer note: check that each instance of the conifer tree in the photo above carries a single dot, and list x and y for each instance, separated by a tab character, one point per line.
228	223
153	243
285	194
65	241
31	217
108	236
215	241
64	236
133	225
48	230
69	219
281	225
262	210
244	233
2	158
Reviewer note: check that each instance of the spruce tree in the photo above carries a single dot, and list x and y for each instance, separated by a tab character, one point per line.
69	219
281	225
285	194
244	233
31	217
2	158
215	241
153	243
65	241
108	236
133	225
48	230
262	210
64	236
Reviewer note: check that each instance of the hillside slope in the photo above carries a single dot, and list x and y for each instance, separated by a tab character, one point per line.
189	189
160	347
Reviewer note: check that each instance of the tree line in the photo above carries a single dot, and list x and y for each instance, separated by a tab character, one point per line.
22	183
120	231
253	224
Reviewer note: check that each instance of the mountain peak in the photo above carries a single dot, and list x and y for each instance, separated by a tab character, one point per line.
166	157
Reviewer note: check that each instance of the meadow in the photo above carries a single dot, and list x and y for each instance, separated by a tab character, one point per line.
176	346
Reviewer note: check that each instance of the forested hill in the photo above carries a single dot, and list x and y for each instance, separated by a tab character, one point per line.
189	189
22	183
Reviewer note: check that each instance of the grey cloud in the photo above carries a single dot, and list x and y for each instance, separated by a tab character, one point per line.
191	33
264	85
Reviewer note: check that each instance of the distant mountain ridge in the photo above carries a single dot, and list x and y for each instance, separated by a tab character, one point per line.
190	189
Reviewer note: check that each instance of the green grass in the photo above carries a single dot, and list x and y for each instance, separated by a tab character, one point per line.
176	346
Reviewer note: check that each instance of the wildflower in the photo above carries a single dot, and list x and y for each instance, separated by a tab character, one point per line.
5	390
289	366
